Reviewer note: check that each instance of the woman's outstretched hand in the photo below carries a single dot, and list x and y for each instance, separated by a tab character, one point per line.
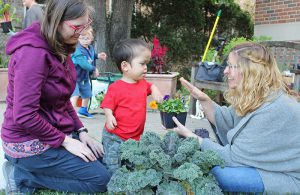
207	104
194	91
183	131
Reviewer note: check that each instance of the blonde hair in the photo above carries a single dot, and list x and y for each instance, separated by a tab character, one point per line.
88	32
260	77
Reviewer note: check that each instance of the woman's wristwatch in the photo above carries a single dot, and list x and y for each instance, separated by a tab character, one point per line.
82	129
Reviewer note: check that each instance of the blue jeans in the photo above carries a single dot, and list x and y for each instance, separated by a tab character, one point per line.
59	170
238	179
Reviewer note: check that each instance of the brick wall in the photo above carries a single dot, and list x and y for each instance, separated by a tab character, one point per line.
277	11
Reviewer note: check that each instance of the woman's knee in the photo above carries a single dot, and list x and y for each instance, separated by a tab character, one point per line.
99	183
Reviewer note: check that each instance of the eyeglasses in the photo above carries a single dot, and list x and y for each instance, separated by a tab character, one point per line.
79	29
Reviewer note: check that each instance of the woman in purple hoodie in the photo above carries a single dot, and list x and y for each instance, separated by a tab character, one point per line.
44	141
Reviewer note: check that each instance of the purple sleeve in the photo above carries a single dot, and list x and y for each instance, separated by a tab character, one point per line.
29	76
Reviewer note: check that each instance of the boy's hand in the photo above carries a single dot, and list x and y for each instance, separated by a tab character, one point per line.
96	73
157	96
111	122
102	56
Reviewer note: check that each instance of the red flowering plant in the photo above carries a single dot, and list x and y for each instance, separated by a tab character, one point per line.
158	62
7	15
5	8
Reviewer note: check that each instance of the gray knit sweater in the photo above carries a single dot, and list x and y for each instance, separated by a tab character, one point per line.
267	139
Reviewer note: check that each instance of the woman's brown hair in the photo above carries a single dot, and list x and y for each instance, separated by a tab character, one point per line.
57	11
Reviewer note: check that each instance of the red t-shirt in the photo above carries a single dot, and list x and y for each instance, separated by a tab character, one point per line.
128	104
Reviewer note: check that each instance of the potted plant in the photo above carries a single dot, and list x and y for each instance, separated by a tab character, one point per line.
170	165
158	63
170	107
6	16
159	75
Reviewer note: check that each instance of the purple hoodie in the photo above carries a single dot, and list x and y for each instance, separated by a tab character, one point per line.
38	92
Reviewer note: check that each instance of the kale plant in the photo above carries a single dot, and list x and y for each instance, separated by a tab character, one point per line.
171	165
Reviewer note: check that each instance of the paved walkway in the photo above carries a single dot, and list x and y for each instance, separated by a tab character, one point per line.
95	127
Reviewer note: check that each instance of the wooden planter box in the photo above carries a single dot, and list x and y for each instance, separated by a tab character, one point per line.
166	84
3	84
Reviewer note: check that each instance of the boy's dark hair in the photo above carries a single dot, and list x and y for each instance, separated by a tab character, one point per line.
126	50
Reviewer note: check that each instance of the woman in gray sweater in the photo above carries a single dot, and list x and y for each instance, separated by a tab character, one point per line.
259	132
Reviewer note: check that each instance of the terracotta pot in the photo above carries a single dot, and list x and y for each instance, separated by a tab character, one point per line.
166	84
4	83
167	121
79	102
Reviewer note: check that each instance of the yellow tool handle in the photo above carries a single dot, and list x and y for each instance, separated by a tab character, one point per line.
211	35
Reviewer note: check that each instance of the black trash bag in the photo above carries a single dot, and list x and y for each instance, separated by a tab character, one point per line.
211	71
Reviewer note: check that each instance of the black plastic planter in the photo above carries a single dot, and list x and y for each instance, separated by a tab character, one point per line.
167	121
6	26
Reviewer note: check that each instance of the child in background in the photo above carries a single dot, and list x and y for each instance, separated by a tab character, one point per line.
124	104
84	59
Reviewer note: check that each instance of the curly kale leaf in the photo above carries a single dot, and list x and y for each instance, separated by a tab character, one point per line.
206	186
150	138
145	191
170	188
188	172
188	146
163	159
124	181
170	143
206	160
118	181
179	158
138	180
132	151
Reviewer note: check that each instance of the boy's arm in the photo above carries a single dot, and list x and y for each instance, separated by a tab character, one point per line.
82	61
156	94
110	122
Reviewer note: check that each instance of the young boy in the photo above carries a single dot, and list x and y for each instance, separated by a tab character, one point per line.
84	59
124	103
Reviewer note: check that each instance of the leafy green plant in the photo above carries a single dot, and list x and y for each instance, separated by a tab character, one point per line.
172	105
238	40
170	165
3	62
99	97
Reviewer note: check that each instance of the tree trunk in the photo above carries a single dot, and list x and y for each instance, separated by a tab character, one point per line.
110	29
100	29
120	24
